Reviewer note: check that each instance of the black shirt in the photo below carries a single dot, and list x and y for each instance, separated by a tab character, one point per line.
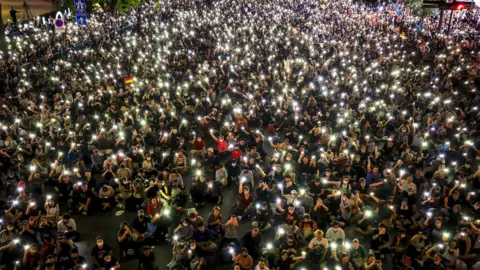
153	192
140	225
430	265
148	262
99	253
315	189
285	264
108	265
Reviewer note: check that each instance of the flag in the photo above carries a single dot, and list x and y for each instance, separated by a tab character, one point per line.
128	80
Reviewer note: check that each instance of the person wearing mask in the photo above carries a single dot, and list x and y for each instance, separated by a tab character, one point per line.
109	262
289	218
99	251
140	227
184	229
50	263
32	257
335	232
196	257
76	260
263	216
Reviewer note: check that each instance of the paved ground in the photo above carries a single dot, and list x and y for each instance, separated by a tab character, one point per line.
107	225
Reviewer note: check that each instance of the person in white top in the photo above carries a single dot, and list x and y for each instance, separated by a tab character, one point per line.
68	227
318	241
335	232
262	265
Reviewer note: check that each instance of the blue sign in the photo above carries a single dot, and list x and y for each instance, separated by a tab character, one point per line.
81	12
81	20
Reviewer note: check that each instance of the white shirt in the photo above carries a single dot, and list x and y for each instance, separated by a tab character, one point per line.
63	227
315	243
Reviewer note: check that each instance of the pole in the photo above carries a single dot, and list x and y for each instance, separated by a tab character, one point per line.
449	22
3	40
440	22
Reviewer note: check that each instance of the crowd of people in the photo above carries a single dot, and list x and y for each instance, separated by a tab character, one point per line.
347	130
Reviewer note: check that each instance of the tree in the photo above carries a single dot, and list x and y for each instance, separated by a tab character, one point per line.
114	6
417	9
3	40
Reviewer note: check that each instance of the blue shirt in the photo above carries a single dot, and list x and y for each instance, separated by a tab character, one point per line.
202	236
371	179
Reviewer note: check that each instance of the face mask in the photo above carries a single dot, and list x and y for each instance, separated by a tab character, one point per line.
33	251
185	224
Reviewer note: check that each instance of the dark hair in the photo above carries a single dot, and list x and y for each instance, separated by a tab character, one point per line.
200	224
66	216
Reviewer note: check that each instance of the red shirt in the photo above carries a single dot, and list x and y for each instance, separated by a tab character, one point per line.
198	145
236	154
222	146
154	209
